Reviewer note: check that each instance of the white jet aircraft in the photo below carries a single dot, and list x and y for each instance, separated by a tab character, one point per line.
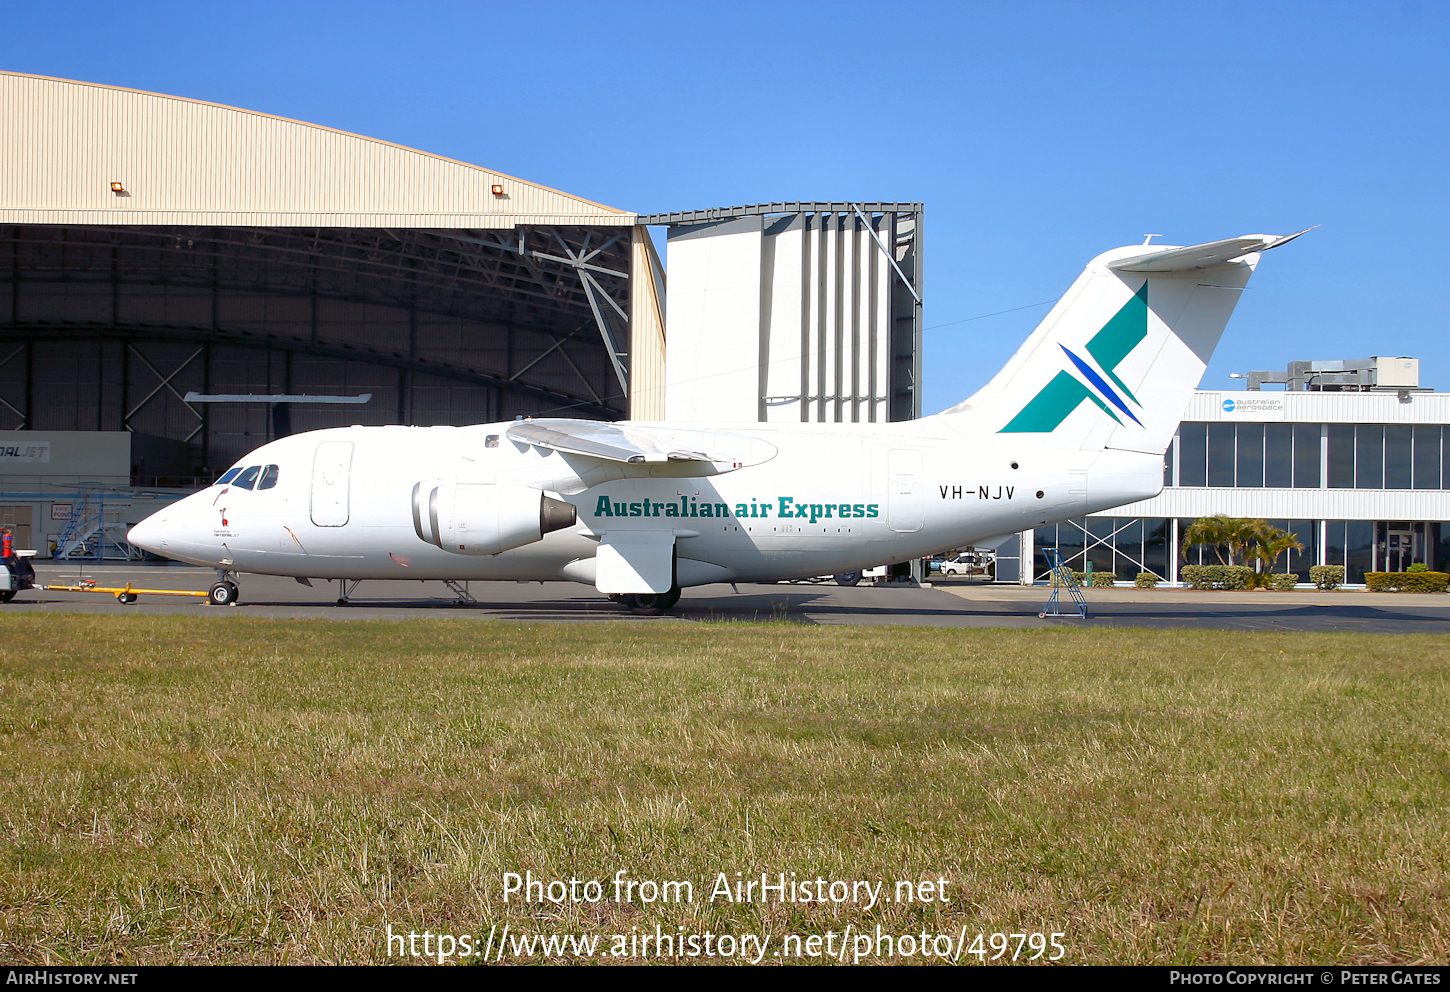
1077	422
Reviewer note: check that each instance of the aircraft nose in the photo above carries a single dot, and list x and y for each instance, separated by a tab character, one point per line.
149	534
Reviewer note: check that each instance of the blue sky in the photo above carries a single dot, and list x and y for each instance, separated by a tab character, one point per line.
1037	134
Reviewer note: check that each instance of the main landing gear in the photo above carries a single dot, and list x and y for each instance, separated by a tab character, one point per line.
649	604
225	592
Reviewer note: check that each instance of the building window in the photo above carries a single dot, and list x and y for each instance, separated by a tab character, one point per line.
1298	562
1123	546
1307	447
1369	457
1193	454
1341	457
1427	458
1350	543
1279	455
1249	456
1399	445
1250	459
1220	456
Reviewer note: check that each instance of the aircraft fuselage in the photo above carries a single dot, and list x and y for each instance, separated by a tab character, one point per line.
833	498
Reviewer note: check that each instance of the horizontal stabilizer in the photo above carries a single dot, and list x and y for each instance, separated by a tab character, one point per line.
637	444
1202	256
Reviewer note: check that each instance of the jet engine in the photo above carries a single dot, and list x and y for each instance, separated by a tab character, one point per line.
486	519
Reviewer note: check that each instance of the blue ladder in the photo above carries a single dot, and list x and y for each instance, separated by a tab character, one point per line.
76	534
1062	578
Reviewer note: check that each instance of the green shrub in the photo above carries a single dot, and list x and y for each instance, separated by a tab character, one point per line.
1418	566
1283	583
1146	580
1426	581
1326	577
1218	576
1104	580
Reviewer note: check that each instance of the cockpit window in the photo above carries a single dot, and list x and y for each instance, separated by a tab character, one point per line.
230	475
269	477
248	478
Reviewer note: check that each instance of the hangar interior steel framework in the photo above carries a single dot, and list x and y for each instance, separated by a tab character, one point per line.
108	328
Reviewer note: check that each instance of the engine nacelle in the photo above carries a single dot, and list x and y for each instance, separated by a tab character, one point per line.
486	519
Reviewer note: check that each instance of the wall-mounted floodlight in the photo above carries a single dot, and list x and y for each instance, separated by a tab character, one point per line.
497	190
1237	375
117	188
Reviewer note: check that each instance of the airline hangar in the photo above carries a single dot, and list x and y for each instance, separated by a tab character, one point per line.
181	282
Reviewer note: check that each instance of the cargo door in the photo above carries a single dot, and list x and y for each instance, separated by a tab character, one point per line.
331	480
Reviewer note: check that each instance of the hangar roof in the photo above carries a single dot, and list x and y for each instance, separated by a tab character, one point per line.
188	162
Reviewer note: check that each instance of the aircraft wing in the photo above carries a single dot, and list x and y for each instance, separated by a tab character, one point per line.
711	452
1202	256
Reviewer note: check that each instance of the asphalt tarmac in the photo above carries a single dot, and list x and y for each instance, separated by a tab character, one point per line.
949	603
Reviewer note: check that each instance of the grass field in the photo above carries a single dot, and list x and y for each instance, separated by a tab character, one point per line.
187	790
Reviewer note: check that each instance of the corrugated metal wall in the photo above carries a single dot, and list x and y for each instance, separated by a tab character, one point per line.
62	144
794	318
647	330
1328	408
1307	504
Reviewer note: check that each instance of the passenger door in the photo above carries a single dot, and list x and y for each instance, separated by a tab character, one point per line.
331	480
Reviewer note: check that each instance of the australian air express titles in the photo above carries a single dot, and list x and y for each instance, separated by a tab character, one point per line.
691	506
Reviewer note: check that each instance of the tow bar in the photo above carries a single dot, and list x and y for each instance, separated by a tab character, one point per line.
127	595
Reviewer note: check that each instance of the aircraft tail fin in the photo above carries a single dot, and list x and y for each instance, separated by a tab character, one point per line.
1115	362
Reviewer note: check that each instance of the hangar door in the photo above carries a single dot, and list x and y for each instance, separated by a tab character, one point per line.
331	478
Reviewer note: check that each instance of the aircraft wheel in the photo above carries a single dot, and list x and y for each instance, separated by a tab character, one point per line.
848	578
647	604
224	594
126	598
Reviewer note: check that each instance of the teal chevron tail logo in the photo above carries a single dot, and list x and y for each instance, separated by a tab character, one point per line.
1108	347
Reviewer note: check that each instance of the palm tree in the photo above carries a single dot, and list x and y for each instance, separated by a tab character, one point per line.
1243	538
1219	532
1271	542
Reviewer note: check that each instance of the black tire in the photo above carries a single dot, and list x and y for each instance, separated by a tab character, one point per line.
650	604
126	598
223	594
6	595
848	578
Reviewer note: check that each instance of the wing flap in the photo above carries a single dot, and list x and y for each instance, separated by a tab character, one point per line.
638	444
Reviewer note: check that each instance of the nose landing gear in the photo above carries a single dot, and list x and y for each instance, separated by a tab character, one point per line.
225	592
